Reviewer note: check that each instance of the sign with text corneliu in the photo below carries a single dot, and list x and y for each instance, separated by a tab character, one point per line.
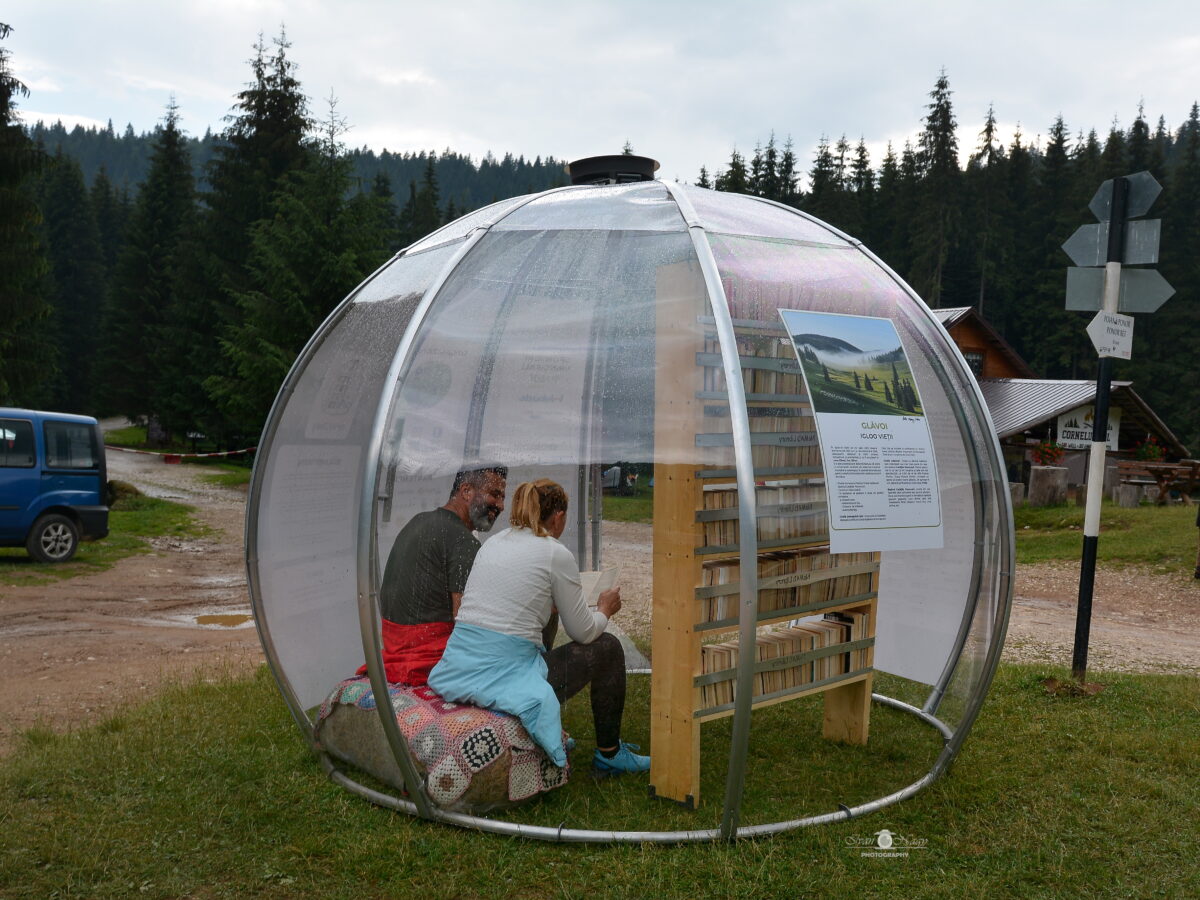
1075	427
876	449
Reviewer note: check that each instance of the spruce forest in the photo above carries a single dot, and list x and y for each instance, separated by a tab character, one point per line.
174	277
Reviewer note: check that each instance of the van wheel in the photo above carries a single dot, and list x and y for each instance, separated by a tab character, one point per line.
53	539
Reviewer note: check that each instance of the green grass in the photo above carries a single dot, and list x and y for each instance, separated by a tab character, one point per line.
637	507
232	471
1160	537
227	474
130	522
129	436
207	791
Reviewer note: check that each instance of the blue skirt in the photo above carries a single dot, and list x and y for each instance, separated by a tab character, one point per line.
502	672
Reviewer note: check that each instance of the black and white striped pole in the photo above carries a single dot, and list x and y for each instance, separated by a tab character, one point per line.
1096	454
1115	240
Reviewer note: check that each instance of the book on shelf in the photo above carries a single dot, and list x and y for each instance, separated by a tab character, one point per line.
784	381
789	579
778	643
801	513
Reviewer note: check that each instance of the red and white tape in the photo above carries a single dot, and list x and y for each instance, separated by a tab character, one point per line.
179	457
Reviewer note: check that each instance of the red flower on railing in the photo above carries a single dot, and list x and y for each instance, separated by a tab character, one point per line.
1048	453
1149	449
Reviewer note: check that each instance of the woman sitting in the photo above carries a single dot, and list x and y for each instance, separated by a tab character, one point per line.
496	656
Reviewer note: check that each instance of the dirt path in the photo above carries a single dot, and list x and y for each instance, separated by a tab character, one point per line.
73	652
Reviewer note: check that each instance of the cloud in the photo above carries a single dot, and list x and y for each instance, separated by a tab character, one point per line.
29	116
396	77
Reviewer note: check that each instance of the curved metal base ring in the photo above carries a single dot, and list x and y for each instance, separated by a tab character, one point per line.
582	835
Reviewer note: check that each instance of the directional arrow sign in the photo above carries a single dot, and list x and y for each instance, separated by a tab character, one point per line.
1088	246
1142	290
1112	334
1143	190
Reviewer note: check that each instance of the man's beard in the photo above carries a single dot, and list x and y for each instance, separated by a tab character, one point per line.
483	515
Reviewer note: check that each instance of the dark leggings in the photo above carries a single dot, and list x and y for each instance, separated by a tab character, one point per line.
570	667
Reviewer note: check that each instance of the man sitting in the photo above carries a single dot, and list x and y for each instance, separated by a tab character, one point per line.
427	570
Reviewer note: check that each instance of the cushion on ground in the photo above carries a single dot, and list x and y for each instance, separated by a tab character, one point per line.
472	759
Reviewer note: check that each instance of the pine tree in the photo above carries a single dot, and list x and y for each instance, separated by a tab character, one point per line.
886	236
111	209
427	215
735	179
260	152
788	176
822	198
23	263
143	357
862	188
986	214
704	181
304	258
1114	159
1138	143
1060	347
78	279
937	217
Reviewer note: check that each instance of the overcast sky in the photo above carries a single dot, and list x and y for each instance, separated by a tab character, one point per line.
682	82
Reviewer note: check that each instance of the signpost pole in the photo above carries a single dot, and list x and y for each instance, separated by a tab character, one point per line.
1095	478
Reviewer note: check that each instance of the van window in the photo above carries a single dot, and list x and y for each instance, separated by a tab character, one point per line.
71	446
16	444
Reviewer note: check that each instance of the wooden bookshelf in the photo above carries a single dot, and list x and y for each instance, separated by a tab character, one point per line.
697	578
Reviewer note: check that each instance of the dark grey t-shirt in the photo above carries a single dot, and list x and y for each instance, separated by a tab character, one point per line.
430	560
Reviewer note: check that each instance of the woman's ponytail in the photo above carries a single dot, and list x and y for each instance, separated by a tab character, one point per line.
534	502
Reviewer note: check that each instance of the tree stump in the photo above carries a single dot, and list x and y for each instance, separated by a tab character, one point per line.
1016	493
1128	495
1112	480
1047	485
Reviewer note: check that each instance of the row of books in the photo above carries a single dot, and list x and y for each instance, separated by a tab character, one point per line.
758	381
794	577
803	637
804	514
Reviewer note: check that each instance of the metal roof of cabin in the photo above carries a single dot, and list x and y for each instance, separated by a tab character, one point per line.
1019	404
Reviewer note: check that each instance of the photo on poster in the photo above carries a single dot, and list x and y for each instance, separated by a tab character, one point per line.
876	447
854	364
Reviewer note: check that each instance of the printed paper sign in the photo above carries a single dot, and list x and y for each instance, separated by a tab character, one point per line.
880	471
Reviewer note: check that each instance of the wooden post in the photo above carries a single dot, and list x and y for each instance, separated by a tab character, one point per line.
674	733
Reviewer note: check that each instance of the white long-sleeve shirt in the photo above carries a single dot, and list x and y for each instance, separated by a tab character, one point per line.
517	579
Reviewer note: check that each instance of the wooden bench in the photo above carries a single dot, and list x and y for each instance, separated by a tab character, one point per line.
1182	476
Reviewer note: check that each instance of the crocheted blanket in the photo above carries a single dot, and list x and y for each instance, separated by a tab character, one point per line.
472	758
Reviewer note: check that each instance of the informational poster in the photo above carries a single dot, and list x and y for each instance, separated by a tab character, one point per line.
876	449
1075	427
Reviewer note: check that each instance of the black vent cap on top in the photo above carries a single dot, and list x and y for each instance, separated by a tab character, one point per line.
620	169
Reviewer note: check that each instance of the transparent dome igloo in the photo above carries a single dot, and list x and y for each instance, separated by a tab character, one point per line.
638	326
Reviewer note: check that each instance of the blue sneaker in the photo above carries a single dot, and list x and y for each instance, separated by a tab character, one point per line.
625	760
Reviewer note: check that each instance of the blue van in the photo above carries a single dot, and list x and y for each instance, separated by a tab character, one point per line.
53	482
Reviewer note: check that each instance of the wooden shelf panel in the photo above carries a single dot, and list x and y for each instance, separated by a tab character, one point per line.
781	543
771	616
710	713
768	472
747	326
756	397
790	661
798	579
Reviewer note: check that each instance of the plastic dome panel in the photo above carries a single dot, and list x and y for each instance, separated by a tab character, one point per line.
557	333
636	207
723	213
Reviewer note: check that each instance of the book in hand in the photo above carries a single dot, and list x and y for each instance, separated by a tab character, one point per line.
596	583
